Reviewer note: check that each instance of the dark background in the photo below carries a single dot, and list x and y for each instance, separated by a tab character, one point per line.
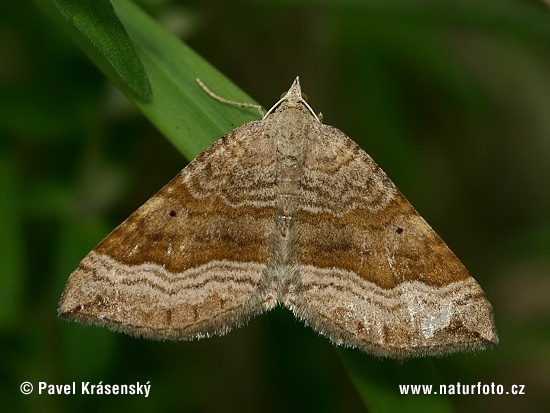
452	100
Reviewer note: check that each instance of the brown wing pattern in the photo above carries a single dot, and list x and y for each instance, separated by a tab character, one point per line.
373	273
192	261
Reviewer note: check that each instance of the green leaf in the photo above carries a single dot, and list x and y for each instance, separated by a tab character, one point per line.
95	27
181	110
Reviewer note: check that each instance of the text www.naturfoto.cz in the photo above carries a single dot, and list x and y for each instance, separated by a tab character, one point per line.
460	388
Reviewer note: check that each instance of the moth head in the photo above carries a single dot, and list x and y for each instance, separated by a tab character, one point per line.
293	98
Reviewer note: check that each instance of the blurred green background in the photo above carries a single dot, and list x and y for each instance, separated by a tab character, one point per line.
451	98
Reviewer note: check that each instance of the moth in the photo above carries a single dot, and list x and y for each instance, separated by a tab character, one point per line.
283	211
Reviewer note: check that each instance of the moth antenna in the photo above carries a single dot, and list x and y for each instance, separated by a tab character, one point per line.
217	97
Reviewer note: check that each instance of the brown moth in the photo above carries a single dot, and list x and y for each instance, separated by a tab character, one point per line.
283	211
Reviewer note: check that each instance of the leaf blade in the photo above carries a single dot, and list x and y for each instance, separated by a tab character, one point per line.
95	26
189	118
